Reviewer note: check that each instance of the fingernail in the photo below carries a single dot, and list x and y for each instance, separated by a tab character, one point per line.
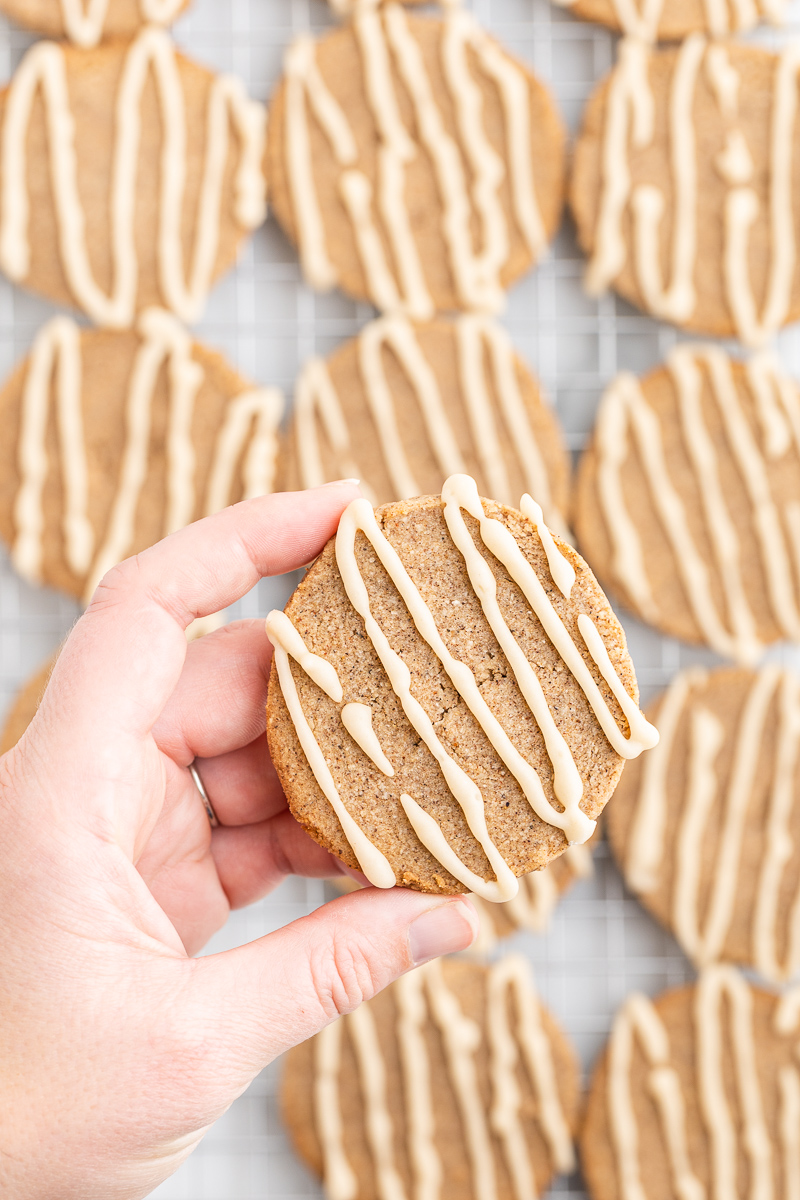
339	482
443	930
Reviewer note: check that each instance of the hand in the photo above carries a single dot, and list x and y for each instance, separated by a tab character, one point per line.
117	1049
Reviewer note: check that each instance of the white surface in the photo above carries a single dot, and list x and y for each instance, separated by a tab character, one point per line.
601	943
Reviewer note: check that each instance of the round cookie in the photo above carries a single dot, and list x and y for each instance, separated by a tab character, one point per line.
453	1081
402	406
145	195
401	705
671	20
706	828
24	706
86	22
414	162
682	186
687	500
696	1093
113	439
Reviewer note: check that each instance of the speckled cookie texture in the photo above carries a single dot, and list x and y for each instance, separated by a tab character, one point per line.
24	706
683	182
671	20
403	405
113	439
146	194
414	162
688	497
706	827
86	22
390	763
697	1092
474	1083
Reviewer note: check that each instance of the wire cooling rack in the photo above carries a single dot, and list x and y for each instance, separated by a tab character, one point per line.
601	944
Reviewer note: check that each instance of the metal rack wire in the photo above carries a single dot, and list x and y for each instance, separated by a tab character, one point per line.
601	944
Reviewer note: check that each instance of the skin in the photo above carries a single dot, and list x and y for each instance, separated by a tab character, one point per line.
117	1048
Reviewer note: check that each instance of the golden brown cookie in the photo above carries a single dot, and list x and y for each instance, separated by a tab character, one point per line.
687	501
402	406
670	20
697	1095
683	183
112	439
145	192
423	724
706	829
86	22
24	706
414	162
455	1081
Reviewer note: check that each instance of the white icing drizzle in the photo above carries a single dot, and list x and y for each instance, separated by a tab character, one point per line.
561	568
387	43
340	1180
44	69
357	720
426	1164
724	80
459	493
377	1118
287	642
84	20
57	352
316	400
56	349
702	800
713	984
639	1021
789	1126
625	407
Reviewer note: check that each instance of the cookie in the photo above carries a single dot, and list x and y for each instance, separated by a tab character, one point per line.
86	22
682	186
687	501
129	177
113	439
670	20
455	1081
705	828
23	707
451	700
402	406
414	162
697	1095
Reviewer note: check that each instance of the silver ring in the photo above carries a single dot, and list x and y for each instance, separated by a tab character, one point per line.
207	805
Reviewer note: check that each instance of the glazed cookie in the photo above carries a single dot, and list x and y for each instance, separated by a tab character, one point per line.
455	1081
402	406
682	186
111	440
414	162
86	22
161	160
669	20
706	829
451	699
687	501
24	706
697	1095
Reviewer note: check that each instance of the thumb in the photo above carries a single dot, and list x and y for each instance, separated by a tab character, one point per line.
267	996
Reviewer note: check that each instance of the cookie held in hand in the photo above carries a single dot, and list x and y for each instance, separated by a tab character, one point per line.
697	1091
453	1081
683	186
414	162
687	500
129	177
87	22
451	700
114	439
704	828
402	406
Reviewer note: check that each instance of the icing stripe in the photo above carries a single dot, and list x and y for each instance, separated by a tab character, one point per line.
84	20
387	45
426	1164
372	1074
44	69
340	1180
